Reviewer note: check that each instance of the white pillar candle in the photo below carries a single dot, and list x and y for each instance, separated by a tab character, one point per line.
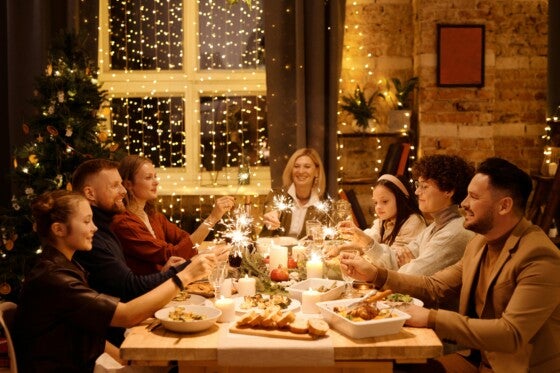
247	286
227	287
278	256
309	299
227	307
552	167
299	253
314	267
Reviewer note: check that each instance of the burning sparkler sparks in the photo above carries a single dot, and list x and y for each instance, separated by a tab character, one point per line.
238	228
282	203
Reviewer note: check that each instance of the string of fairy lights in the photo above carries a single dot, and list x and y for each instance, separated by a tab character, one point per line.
359	69
231	125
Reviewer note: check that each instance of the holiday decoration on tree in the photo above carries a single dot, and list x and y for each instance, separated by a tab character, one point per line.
67	128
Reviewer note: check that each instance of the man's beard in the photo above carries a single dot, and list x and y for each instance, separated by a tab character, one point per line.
482	225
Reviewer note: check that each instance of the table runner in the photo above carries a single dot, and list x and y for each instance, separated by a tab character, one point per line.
248	350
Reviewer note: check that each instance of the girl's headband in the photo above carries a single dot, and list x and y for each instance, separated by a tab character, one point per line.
395	180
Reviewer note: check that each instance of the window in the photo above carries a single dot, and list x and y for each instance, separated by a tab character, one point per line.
186	82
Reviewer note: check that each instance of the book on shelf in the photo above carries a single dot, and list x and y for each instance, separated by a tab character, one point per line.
396	159
392	159
403	162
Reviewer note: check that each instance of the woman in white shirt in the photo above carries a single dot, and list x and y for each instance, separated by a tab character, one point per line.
303	187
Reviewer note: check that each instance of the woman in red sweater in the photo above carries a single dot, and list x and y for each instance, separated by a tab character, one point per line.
148	238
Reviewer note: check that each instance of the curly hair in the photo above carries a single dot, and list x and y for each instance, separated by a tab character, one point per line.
451	173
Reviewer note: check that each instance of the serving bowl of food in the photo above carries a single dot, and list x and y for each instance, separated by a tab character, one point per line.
359	319
188	318
329	289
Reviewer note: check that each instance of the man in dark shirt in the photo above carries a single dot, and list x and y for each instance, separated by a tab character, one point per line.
99	181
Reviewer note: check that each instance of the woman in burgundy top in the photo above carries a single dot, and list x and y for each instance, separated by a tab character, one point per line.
148	238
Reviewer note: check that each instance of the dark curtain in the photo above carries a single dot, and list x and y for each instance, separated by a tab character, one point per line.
27	29
303	61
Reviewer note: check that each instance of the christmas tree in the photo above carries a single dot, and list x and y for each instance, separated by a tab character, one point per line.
67	128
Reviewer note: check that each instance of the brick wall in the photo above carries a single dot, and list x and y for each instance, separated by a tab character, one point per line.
505	118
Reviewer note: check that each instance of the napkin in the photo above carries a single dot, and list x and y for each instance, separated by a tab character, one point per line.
248	350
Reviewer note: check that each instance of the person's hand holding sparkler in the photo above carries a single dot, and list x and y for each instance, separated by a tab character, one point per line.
271	220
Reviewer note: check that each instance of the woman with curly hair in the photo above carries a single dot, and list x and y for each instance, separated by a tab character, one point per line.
441	185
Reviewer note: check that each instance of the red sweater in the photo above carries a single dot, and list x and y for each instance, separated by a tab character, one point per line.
145	253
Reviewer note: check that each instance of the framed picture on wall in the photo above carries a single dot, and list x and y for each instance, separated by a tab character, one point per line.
460	55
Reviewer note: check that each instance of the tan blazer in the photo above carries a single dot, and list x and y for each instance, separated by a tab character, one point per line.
519	330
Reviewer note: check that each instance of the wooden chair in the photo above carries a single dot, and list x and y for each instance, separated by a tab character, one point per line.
545	204
7	318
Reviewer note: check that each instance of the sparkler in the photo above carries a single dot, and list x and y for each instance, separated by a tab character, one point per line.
282	203
238	229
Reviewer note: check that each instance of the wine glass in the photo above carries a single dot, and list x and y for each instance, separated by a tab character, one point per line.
217	276
348	280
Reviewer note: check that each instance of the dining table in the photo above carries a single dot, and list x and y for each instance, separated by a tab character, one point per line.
218	349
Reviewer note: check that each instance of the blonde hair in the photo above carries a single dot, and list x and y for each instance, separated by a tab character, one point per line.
320	182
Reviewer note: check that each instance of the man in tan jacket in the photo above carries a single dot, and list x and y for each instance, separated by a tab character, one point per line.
507	283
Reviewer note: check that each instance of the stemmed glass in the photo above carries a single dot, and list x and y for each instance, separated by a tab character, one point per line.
348	280
217	276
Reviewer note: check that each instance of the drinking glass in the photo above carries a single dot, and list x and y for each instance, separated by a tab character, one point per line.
216	277
348	280
310	225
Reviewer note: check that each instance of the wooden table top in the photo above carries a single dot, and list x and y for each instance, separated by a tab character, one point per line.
411	344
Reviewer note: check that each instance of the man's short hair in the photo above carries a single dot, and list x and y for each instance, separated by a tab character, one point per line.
509	178
89	168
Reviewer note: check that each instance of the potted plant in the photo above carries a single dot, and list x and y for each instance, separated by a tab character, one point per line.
361	108
399	117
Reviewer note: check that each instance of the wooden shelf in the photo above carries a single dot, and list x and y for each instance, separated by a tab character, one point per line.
373	134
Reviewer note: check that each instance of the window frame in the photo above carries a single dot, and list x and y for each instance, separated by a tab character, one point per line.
190	84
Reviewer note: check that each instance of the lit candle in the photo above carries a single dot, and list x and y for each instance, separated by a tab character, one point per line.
314	267
247	286
309	299
227	307
552	167
278	256
298	253
226	288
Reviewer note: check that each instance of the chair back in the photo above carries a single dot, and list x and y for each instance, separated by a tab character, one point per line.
7	318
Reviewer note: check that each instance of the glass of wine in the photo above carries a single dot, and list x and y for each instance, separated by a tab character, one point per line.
217	276
348	280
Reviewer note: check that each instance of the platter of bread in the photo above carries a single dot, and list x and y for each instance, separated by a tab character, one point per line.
204	289
278	324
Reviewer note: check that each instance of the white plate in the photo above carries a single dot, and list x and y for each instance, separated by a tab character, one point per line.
415	301
294	305
263	243
211	315
193	299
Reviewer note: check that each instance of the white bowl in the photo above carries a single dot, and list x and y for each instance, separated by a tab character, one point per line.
361	329
210	314
297	289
